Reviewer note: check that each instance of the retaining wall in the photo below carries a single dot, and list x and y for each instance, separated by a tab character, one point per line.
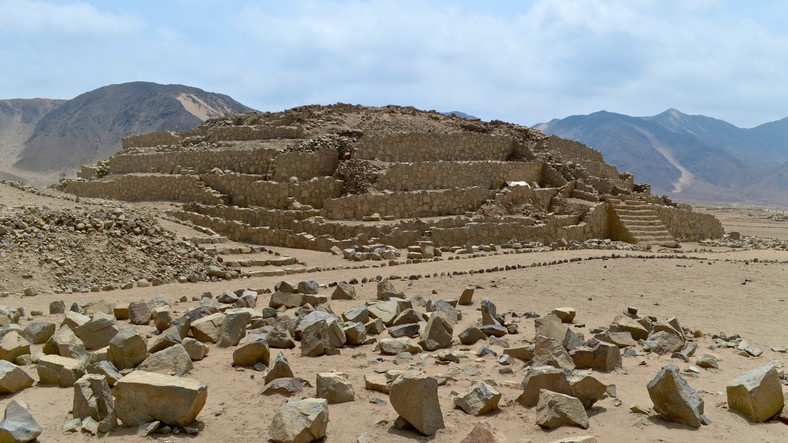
244	161
241	133
688	225
407	204
447	175
416	147
151	139
148	187
571	149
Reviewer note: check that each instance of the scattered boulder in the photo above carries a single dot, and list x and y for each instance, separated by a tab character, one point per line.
586	388
393	346
143	397
208	328
287	386
386	311
300	421
252	349
663	342
64	342
98	331
286	299
127	349
197	350
490	313
355	332
437	334
139	313
480	399
357	314
18	424
466	298
540	378
757	394
566	315
280	369
169	337
603	357
550	352
344	291
13	378
308	287
93	398
551	326
315	339
172	358
471	335
674	399
57	370
38	332
386	290
555	410
483	432
623	323
415	398
334	387
707	361
106	369
233	328
12	345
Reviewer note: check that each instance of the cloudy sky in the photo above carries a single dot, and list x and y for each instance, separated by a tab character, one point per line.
519	61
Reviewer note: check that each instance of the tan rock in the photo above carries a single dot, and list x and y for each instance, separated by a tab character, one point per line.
143	397
13	378
480	399
415	398
300	421
757	394
483	432
93	398
127	349
171	358
252	349
57	370
207	329
334	387
555	410
540	378
674	399
12	345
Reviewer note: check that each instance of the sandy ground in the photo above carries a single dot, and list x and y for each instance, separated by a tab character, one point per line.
704	290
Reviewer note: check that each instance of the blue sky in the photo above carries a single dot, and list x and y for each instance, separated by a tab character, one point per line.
519	61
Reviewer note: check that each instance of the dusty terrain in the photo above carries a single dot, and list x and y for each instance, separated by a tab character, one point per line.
712	289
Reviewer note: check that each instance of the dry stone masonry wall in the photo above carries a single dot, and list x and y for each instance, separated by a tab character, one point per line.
447	175
416	147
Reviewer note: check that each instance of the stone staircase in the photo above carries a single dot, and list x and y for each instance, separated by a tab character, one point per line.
640	223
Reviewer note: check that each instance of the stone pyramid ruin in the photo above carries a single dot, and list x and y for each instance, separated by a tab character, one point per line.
342	176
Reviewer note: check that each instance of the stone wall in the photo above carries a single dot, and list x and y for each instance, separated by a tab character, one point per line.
312	192
274	218
688	225
540	197
571	149
407	204
241	133
416	147
244	161
148	187
448	175
156	138
305	165
88	172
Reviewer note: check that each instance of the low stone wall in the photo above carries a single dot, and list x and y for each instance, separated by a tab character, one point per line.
88	172
415	147
256	217
305	165
147	187
241	133
601	169
244	161
407	204
274	194
156	138
448	175
688	225
571	149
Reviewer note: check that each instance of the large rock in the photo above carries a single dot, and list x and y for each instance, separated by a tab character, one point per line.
252	349
334	387
552	327
548	351
170	337
603	357
437	334
466	298
300	421
143	397
12	345
539	378
93	398
355	332
756	394
139	313
344	291
286	386
586	388
106	369
38	332
483	432
566	314
98	331
279	337
471	335
336	336
555	410
480	399
490	313
197	350
172	358
162	317
415	398
447	308
674	399
663	342
207	329
315	339
622	323
386	311
286	299
356	314
280	369
18	425
57	370
386	290
393	346
233	328
127	349
13	378
65	343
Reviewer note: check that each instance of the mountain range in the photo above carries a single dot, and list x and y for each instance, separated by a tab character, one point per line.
44	139
689	157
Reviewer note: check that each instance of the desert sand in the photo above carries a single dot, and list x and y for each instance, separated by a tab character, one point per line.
709	289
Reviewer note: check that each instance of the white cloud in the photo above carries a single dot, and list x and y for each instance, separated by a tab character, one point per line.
26	19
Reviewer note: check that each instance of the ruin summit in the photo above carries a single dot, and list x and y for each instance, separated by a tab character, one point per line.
342	176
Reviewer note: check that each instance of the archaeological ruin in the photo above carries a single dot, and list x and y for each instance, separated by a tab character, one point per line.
342	176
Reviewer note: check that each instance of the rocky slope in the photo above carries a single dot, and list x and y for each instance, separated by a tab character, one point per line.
42	139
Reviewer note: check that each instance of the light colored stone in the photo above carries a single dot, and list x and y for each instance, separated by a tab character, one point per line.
757	394
344	291
169	337
172	358
207	329
98	331
142	397
64	342
555	410
18	424
57	370
12	345
415	398
127	349
334	387
586	388
603	357
13	378
300	421
566	315
548	351
233	328
279	369
480	399
252	349
466	298
38	332
93	398
663	342
483	432
437	334
539	378
674	399
386	311
196	349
